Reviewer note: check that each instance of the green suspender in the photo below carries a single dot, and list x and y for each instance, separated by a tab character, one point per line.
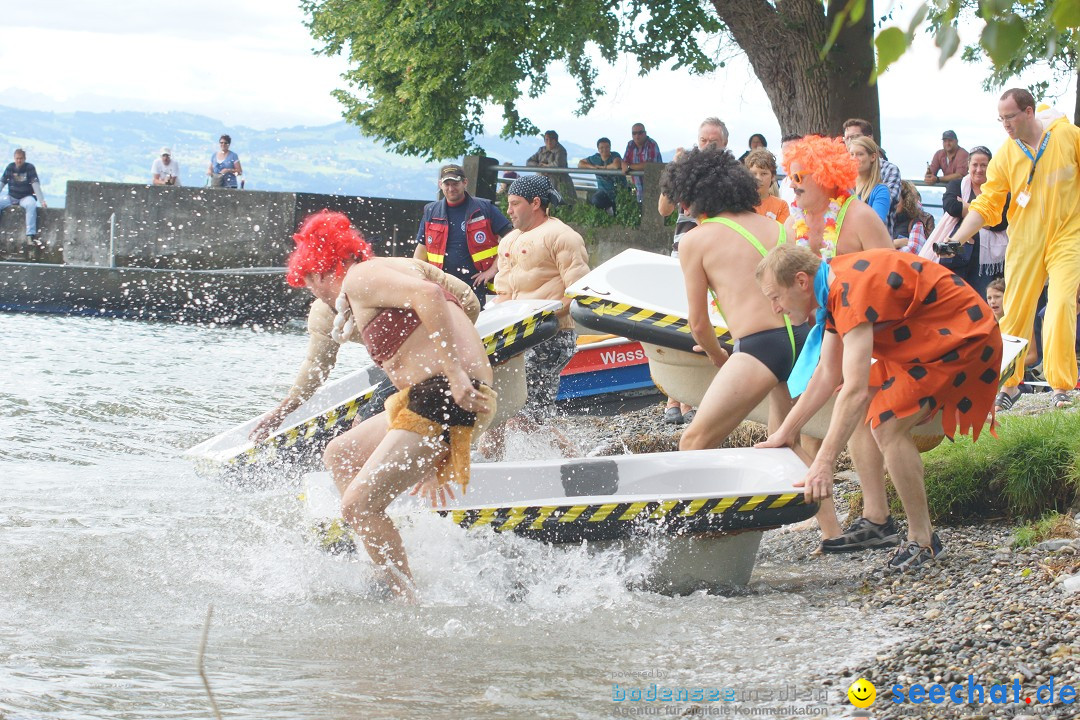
761	249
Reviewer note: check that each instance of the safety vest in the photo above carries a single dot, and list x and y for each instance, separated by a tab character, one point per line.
483	242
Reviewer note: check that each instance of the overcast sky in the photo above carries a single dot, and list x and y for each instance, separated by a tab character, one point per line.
250	62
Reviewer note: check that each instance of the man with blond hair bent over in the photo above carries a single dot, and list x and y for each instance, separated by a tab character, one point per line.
937	347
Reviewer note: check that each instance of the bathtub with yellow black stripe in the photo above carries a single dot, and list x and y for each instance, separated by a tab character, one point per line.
642	296
507	329
710	507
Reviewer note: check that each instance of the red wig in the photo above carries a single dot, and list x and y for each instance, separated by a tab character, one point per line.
324	242
828	160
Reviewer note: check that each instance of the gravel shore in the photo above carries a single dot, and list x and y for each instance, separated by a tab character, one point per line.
984	609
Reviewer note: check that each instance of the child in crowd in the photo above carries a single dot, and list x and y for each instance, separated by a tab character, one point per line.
762	165
913	224
995	296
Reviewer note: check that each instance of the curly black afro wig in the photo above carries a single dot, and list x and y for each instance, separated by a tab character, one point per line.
710	182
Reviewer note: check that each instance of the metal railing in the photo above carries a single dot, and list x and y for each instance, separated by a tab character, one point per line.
588	182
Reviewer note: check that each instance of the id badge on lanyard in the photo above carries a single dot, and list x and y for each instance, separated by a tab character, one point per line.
1024	197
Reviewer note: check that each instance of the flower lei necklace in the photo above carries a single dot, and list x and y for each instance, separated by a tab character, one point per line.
829	235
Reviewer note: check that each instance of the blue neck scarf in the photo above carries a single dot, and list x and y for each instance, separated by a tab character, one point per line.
811	350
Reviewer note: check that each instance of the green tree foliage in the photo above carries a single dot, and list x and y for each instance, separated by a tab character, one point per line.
1043	47
422	72
1016	34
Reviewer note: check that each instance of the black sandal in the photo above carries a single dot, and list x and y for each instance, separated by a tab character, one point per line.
1062	400
1004	401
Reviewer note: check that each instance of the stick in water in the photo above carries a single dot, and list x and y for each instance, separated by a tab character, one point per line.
202	651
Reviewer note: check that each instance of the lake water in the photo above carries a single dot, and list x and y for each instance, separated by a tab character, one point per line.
112	549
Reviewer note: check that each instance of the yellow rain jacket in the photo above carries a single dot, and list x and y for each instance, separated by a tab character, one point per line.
1044	240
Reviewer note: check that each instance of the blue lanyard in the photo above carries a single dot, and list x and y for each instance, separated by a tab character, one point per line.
1033	158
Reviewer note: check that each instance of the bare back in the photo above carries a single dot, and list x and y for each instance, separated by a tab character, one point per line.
380	283
727	261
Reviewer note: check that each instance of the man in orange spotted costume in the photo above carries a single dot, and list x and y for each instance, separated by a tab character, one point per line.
937	347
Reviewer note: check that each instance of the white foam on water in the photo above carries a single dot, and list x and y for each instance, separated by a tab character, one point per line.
111	550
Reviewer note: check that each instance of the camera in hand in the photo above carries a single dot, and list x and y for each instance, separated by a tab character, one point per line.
950	247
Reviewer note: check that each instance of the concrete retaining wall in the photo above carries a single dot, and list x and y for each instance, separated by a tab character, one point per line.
183	227
210	228
50	225
198	228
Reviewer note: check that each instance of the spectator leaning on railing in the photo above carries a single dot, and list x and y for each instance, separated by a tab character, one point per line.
604	159
224	165
640	150
951	161
165	170
553	154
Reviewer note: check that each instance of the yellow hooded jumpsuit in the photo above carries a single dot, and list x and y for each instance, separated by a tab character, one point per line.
1044	240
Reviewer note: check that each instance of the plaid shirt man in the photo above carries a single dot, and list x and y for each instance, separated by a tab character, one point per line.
649	152
890	175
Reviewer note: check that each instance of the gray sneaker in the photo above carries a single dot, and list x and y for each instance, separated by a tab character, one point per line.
864	535
912	555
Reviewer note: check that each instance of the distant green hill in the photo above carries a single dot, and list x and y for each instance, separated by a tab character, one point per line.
120	147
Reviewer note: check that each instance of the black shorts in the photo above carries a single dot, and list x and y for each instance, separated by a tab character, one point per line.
773	348
432	400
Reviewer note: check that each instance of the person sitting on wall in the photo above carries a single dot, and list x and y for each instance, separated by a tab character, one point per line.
951	161
224	165
937	347
718	258
24	190
553	154
165	170
418	332
460	233
604	159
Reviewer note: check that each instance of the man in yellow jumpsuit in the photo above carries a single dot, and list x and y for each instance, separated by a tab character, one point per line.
1040	166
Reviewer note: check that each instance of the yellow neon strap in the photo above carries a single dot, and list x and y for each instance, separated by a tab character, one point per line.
761	249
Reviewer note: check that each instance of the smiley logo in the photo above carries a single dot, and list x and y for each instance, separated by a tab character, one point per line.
862	693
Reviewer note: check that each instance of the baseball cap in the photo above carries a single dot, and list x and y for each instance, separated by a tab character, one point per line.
451	172
948	135
165	151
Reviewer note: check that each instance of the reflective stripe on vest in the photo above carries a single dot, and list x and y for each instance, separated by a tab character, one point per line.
483	243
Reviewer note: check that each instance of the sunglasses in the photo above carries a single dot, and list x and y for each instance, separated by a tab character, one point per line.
798	177
638	132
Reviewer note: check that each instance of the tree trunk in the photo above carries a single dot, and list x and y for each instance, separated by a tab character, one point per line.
807	95
849	66
1076	108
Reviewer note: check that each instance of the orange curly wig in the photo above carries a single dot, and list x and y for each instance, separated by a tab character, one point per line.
324	242
828	160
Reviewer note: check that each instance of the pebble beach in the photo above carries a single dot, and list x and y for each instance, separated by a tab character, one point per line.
986	609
